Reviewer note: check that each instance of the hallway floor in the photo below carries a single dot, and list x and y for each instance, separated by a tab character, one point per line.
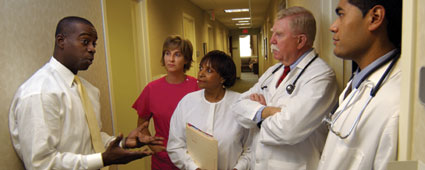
247	80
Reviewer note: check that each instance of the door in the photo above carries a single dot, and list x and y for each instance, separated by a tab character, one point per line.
189	33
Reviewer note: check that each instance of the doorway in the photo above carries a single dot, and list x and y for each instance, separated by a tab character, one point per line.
189	33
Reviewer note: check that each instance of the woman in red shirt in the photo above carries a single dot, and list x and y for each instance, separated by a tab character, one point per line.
160	97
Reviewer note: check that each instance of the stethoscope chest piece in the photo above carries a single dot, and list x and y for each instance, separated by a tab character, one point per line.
290	88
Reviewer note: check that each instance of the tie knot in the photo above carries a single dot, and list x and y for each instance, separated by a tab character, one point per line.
286	69
77	80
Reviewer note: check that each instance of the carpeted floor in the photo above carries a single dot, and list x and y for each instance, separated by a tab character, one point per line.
247	80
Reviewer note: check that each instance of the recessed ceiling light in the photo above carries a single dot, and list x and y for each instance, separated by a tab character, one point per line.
243	27
236	10
242	23
244	18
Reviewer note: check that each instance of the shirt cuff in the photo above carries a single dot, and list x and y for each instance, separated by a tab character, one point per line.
192	166
122	143
95	161
240	167
257	118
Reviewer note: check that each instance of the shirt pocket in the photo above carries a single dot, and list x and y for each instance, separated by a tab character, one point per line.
279	165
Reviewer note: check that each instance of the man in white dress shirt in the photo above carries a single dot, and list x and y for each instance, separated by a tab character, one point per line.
288	110
47	120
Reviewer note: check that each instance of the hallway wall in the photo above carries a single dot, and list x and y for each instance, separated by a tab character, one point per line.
27	42
412	119
125	77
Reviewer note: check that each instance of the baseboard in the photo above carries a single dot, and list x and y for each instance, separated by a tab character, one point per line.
406	165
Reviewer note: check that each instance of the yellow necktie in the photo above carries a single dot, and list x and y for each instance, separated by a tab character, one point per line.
91	118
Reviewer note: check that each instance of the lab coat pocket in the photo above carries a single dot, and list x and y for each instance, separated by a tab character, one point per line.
350	158
278	165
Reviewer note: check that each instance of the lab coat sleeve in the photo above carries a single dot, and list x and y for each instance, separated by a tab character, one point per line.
244	108
301	114
40	121
176	147
387	148
244	161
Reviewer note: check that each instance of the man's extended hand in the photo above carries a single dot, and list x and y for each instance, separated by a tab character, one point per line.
157	148
137	139
114	154
258	98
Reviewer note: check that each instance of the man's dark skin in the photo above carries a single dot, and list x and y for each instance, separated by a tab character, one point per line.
75	46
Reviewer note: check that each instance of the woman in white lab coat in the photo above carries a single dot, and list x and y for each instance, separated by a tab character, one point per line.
209	110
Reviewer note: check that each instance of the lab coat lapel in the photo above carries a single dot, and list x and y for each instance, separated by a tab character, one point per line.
292	75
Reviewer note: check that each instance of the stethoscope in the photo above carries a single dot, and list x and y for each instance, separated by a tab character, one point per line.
328	119
291	87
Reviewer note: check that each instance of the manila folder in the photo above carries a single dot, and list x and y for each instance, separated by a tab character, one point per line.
202	148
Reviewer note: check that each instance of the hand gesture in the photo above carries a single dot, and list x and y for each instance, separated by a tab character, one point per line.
137	139
114	154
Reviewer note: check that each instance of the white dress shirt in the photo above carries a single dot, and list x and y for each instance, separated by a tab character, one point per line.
47	122
233	139
294	137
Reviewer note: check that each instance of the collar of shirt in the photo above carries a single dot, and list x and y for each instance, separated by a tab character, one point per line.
64	72
359	75
293	65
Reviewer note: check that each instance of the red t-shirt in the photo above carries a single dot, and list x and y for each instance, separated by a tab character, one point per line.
160	98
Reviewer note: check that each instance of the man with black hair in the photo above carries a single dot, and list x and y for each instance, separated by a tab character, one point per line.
364	128
54	119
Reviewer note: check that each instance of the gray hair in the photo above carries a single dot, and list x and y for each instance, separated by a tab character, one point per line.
301	21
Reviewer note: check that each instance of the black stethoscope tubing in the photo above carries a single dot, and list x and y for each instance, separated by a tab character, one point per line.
394	57
291	87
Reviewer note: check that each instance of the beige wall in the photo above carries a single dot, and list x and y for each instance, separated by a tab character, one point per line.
126	77
412	117
27	39
265	63
418	148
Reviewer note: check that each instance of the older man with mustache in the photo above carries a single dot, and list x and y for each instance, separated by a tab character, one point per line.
286	106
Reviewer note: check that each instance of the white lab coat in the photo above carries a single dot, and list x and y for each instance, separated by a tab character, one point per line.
293	138
216	119
374	141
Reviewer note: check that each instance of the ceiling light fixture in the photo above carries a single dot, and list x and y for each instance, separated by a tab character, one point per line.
243	27
236	10
242	23
244	18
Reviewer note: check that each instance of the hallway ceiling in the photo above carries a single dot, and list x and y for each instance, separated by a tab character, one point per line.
217	7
